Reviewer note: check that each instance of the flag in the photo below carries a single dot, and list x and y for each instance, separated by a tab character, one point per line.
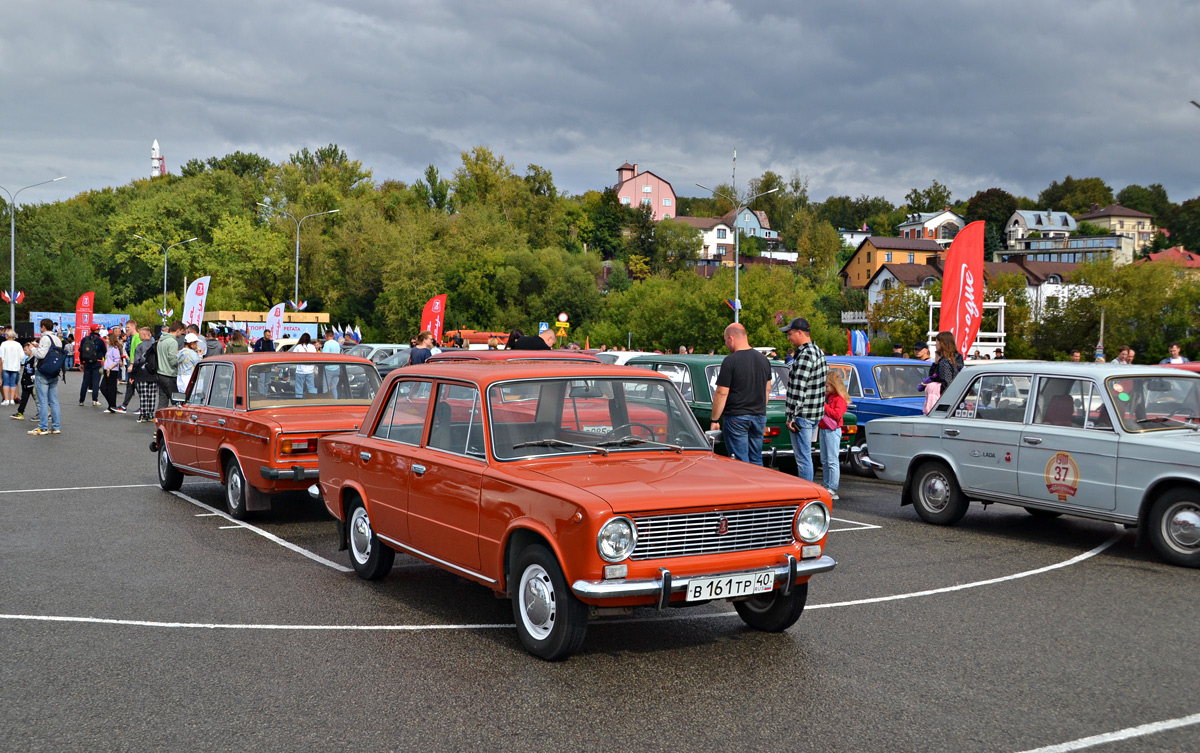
298	306
84	310
859	345
194	300
735	305
166	313
587	343
962	286
274	321
357	334
434	316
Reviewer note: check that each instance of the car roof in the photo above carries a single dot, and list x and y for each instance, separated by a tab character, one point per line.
1066	368
875	360
513	355
250	359
484	373
693	358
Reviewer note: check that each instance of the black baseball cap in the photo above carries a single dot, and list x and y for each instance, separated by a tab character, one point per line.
920	346
799	323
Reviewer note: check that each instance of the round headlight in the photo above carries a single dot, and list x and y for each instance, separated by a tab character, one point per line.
812	522
617	539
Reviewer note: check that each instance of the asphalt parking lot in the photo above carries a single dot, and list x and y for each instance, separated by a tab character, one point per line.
134	619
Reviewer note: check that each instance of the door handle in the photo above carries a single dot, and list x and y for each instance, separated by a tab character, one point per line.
194	417
418	469
1031	440
220	422
950	432
365	456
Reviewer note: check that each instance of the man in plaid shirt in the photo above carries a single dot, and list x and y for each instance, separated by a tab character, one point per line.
805	393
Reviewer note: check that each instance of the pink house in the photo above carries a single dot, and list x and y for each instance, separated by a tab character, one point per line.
637	189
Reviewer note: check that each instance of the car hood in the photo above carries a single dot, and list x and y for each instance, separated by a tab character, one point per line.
1168	445
315	419
645	482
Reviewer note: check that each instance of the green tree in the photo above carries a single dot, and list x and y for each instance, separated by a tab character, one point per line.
433	192
994	206
1151	199
932	199
1075	196
1185	225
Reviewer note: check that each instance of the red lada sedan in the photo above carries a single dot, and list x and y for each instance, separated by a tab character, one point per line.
566	487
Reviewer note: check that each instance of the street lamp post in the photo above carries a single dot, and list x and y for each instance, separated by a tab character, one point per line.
738	207
12	247
299	222
165	249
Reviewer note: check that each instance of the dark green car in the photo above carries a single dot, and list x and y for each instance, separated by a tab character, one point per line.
696	378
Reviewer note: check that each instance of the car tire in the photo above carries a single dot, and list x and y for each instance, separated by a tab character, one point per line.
169	478
372	559
937	496
235	490
551	622
773	612
1174	524
1044	514
854	459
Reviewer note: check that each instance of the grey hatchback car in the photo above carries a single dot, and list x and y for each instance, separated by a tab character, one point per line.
1103	441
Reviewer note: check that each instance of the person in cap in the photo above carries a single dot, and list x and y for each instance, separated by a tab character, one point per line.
805	393
921	352
898	350
189	355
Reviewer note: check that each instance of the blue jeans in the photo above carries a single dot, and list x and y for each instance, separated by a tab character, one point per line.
802	447
91	380
305	379
831	466
743	437
47	397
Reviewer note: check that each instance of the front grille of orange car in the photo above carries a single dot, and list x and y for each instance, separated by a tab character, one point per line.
690	534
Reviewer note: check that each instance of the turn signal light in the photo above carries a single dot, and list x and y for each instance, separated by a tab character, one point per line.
850	429
772	431
298	446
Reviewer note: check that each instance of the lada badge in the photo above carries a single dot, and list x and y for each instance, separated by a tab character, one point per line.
723	526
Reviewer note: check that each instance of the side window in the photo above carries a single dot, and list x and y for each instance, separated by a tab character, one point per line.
1070	402
201	381
403	418
995	397
457	421
222	389
680	375
849	378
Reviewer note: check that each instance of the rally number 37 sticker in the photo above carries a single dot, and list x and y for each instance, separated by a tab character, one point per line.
1062	476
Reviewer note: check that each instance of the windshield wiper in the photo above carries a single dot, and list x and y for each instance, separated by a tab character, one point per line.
626	441
552	442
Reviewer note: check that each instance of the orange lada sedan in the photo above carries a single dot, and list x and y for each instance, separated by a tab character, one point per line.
571	489
252	421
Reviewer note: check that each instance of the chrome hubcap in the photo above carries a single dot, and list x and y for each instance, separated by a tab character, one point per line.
935	492
360	535
233	489
538	603
1181	525
163	463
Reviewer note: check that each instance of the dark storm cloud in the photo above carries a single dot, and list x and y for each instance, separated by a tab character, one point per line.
862	97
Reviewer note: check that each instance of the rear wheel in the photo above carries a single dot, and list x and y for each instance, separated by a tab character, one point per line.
1174	525
936	495
551	622
169	478
773	612
372	559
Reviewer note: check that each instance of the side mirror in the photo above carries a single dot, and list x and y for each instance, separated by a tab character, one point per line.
178	397
714	436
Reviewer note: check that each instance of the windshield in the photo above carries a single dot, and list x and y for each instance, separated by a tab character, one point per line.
276	385
779	380
900	380
540	417
399	358
1150	403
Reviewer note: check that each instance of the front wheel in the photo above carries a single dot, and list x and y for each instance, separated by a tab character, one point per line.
551	622
773	612
235	490
169	478
936	495
372	559
1175	527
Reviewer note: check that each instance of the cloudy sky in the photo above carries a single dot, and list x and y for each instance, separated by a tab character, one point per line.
860	96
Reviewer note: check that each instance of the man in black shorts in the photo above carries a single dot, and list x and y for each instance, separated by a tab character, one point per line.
743	387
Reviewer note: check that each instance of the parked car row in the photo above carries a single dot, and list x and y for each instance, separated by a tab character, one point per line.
566	485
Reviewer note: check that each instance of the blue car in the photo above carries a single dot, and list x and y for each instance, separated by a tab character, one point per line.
879	388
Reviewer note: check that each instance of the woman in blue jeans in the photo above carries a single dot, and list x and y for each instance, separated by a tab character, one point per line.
830	428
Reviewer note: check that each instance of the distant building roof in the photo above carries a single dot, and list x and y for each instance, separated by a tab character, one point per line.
1176	255
617	187
902	244
920	218
1044	219
912	275
626	166
702	223
1114	210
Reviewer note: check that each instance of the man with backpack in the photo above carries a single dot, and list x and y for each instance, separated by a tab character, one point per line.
91	354
49	351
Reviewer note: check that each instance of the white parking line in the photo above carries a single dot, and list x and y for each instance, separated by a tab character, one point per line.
75	488
858	526
1124	734
267	535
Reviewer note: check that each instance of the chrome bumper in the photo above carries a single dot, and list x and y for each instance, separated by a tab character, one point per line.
295	473
314	491
662	587
874	465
